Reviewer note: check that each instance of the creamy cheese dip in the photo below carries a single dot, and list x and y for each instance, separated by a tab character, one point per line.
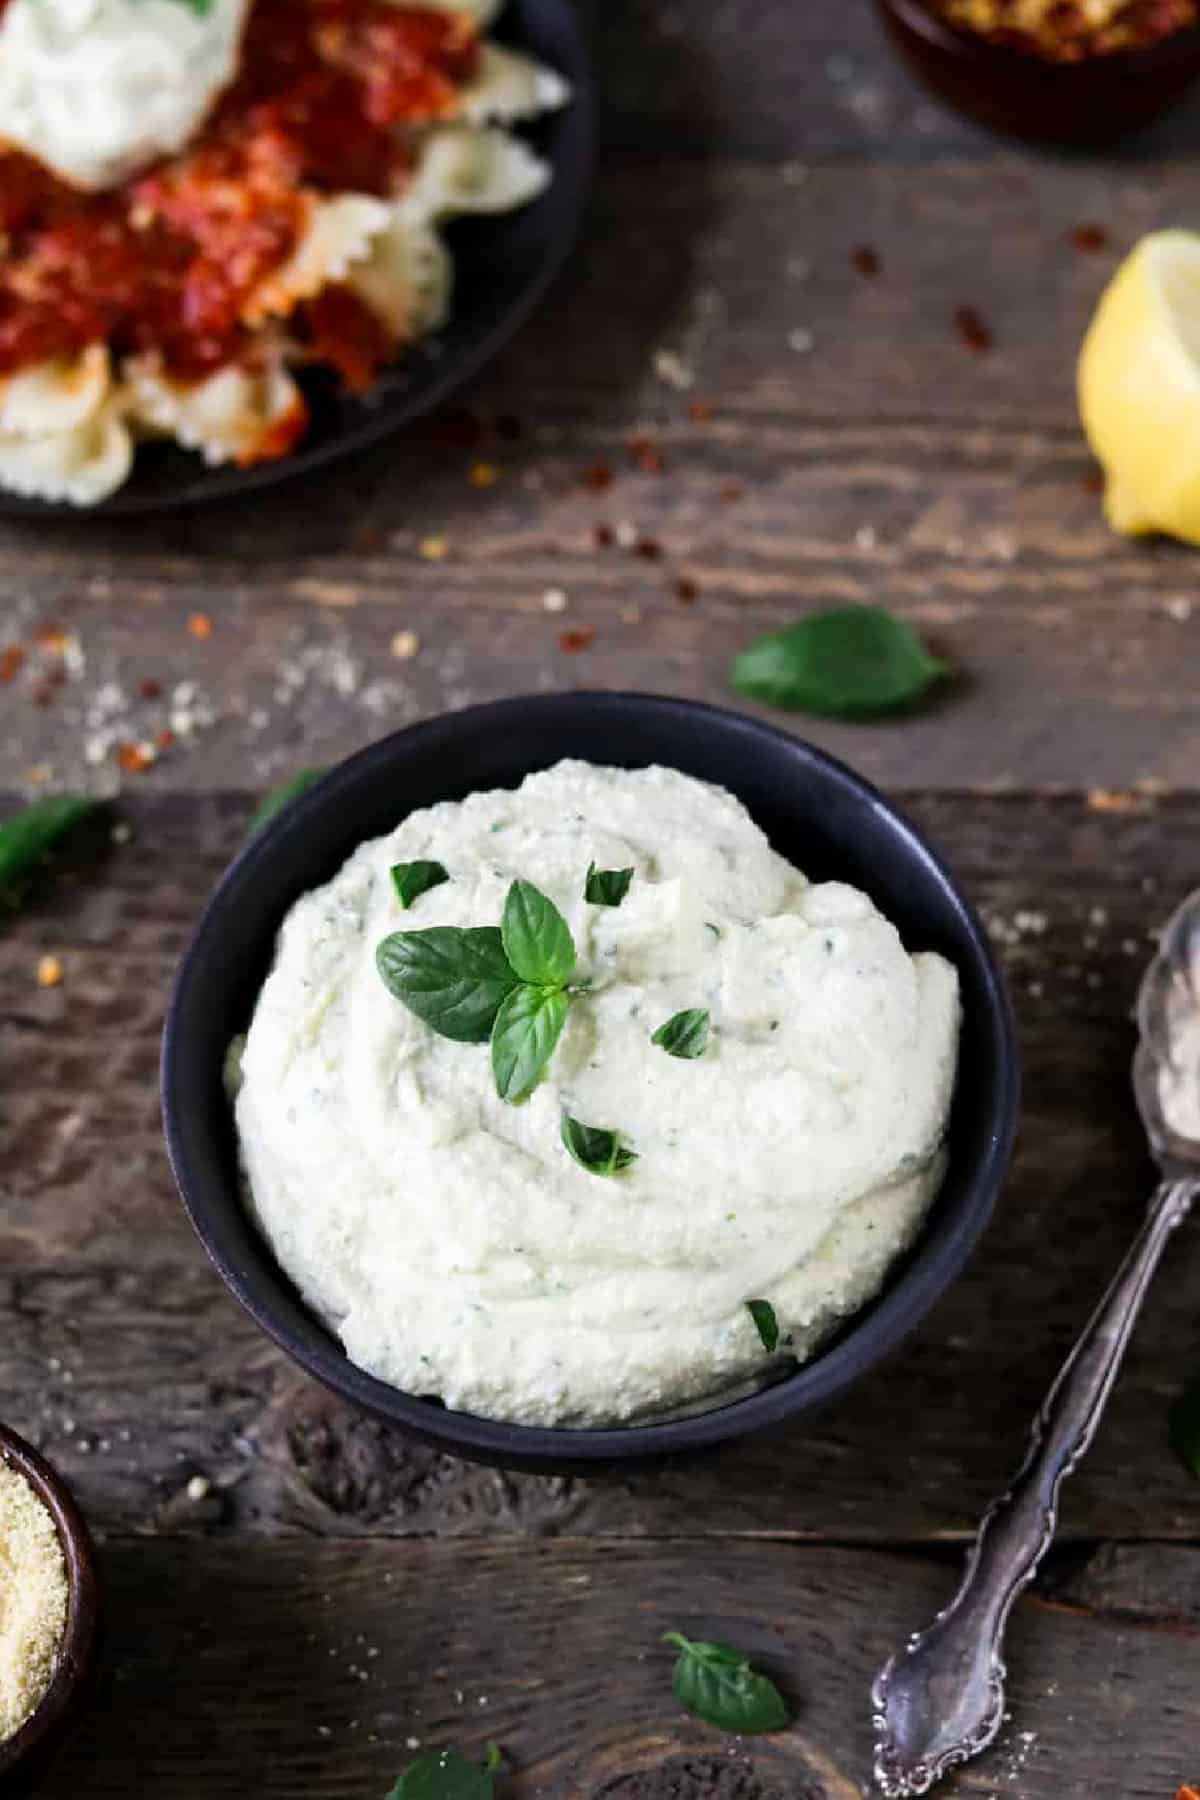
98	89
449	1238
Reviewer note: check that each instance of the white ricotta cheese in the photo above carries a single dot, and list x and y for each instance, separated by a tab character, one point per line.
98	89
450	1239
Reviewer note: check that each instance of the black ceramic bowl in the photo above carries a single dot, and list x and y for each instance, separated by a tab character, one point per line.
25	1757
502	266
816	813
1088	102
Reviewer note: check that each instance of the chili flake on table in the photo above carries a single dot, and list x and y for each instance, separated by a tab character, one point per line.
1071	30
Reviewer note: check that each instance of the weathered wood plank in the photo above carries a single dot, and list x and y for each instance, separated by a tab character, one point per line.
887	463
307	1668
124	1357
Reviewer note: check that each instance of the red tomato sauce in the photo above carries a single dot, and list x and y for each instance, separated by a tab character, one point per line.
167	262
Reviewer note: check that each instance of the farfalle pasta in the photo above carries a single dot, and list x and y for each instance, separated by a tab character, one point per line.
299	225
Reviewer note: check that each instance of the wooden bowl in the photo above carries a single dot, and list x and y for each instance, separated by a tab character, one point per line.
25	1757
1017	93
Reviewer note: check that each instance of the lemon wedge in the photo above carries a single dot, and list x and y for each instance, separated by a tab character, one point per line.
1139	388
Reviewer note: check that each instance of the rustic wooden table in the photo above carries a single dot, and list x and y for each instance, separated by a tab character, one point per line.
296	1595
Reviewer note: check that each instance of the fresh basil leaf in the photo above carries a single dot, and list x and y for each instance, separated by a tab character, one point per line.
717	1684
537	941
1185	1428
606	887
851	662
413	879
528	1026
598	1151
281	796
26	836
455	980
685	1035
448	1775
767	1325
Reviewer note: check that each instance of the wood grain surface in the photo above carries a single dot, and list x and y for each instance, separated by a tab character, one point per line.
715	422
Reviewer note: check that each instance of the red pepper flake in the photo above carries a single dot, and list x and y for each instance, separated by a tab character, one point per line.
165	739
699	412
11	659
729	492
52	638
134	758
570	642
597	478
1188	1793
149	689
200	625
605	537
649	549
647	455
972	330
1090	239
866	261
686	591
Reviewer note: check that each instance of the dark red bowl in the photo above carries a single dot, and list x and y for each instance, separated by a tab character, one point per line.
25	1757
1011	91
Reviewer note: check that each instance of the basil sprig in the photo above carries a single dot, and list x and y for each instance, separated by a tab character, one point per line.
850	662
685	1035
508	984
282	796
448	1775
766	1324
606	887
1185	1428
455	980
595	1149
27	836
716	1683
412	879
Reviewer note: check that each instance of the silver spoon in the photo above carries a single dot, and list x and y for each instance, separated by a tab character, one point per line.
940	1700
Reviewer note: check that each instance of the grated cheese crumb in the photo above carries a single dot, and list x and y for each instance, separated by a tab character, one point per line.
33	1599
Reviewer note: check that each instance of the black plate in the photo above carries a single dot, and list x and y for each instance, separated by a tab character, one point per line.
815	812
502	267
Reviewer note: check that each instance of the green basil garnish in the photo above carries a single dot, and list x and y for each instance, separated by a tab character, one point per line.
413	879
1185	1429
282	796
851	662
767	1325
685	1035
598	1151
716	1683
455	980
606	887
448	1775
527	1028
537	941
26	836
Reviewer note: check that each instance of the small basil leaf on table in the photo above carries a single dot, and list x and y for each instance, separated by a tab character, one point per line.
685	1035
448	1775
851	662
281	796
716	1683
537	940
528	1026
767	1325
1185	1428
412	879
606	887
598	1151
26	836
455	980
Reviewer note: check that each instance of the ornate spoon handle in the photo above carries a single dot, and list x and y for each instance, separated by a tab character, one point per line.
940	1701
